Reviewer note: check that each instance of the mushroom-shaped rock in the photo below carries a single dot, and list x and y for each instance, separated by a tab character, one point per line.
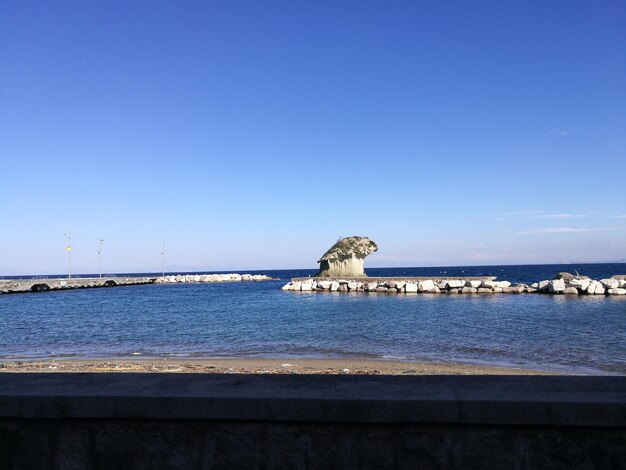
345	258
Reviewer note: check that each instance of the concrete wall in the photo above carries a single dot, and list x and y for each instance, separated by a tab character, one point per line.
240	421
15	286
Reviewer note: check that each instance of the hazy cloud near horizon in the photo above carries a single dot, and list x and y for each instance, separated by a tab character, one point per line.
569	230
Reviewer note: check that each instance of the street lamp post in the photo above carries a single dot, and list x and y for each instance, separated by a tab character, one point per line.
100	256
68	248
163	259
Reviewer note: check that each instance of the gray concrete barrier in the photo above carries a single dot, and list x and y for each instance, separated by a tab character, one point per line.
291	421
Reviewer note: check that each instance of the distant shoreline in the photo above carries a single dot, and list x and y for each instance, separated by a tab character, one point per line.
173	272
262	366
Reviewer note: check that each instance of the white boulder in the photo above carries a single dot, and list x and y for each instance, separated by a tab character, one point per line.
610	283
400	285
410	287
371	286
306	286
591	288
324	284
454	283
617	291
556	286
426	286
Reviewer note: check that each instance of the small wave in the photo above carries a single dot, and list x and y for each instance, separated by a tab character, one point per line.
30	357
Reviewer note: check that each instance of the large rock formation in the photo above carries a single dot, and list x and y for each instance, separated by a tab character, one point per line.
345	258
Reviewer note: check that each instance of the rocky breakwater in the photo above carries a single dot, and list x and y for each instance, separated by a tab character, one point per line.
197	278
572	286
565	283
404	286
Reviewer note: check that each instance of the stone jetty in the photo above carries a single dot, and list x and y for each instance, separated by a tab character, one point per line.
14	286
193	278
11	286
573	285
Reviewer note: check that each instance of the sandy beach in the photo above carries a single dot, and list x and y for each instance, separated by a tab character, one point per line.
261	366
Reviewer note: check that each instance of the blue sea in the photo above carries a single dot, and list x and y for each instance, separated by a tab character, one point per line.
584	334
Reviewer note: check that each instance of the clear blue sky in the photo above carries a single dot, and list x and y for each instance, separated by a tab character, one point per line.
251	135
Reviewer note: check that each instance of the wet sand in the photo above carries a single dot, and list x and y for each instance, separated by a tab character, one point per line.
262	366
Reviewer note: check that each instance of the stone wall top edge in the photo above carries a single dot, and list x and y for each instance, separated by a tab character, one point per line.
509	400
